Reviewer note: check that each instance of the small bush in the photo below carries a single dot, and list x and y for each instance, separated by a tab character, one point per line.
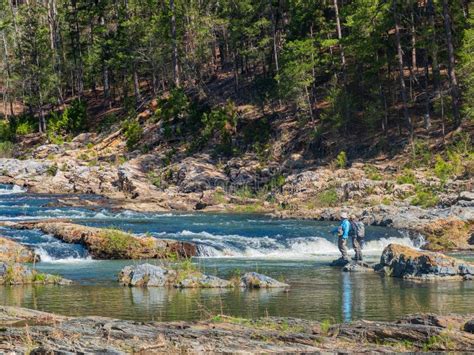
155	179
372	173
24	128
133	133
327	198
340	161
6	149
52	170
407	177
6	131
443	169
71	121
425	199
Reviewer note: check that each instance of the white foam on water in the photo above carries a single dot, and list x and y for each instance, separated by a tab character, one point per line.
46	257
233	245
11	189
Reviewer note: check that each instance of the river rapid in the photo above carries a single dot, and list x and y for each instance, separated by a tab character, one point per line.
296	251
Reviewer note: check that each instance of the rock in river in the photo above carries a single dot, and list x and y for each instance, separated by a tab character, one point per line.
15	252
256	280
146	275
17	274
405	262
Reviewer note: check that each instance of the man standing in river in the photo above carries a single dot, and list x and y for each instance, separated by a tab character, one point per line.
343	235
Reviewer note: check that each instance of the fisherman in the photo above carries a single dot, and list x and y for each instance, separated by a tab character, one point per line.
343	233
357	233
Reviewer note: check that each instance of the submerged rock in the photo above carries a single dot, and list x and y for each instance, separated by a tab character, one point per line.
12	251
358	266
405	262
256	280
339	262
17	274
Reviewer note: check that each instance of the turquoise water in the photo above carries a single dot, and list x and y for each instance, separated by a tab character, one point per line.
298	252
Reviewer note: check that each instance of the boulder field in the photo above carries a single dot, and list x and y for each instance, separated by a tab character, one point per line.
110	243
189	277
30	331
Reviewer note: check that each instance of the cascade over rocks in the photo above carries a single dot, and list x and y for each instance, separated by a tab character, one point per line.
110	243
405	262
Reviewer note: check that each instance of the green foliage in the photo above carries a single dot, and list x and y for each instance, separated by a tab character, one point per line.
372	173
155	179
133	133
327	198
175	107
6	131
118	243
52	170
24	128
71	121
6	149
425	198
407	177
340	161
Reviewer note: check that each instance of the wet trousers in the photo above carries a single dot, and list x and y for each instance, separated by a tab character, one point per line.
342	245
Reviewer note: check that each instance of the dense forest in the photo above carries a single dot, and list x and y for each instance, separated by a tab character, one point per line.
376	66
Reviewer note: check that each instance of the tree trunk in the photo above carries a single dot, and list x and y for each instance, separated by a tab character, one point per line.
174	44
339	35
451	63
403	92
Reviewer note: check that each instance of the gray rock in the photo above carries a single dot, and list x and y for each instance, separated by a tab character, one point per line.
339	262
203	281
256	280
466	196
358	267
146	275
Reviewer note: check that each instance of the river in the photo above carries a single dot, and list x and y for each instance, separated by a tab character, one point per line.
296	251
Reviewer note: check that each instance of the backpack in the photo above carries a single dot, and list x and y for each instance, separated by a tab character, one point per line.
360	229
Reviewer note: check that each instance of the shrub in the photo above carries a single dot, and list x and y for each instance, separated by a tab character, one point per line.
425	199
6	132
52	170
133	133
6	149
443	169
71	121
24	128
407	177
341	160
155	179
372	173
327	198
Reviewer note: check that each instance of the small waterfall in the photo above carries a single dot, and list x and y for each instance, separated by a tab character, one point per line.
6	189
215	245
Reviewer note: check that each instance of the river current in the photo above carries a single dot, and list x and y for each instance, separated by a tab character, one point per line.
296	251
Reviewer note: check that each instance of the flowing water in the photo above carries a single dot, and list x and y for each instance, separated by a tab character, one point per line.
296	251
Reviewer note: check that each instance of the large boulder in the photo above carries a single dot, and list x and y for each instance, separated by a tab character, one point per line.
256	280
12	251
146	275
405	262
17	274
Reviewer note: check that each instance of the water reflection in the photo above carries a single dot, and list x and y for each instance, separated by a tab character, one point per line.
317	292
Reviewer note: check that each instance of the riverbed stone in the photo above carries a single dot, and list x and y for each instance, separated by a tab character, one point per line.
358	267
256	280
18	274
146	275
405	262
203	281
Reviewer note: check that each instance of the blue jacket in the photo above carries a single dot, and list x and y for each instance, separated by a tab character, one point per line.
346	227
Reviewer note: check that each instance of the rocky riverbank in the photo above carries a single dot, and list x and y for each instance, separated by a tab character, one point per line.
31	331
110	243
379	193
